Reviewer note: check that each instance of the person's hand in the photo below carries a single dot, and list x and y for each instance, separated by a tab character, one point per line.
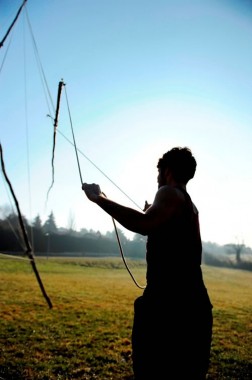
92	191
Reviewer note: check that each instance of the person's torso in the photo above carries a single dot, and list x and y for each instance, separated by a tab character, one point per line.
173	252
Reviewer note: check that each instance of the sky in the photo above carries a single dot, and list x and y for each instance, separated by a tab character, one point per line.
140	77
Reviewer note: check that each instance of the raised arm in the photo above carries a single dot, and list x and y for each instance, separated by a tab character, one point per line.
165	205
131	219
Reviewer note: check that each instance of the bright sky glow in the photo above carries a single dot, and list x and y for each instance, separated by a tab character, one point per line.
141	77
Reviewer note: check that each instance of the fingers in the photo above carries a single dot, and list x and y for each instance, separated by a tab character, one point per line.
91	188
87	186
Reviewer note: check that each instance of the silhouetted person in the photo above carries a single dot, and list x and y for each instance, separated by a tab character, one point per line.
172	327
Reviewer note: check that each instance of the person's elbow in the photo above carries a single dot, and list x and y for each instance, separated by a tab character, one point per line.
140	224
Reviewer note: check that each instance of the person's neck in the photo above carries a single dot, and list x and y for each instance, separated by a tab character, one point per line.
174	183
170	181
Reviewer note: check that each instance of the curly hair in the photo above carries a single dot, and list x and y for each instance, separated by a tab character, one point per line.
181	163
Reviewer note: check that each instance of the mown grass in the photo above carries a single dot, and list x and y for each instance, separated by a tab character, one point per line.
86	335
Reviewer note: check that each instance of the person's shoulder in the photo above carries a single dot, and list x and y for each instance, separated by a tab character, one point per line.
171	190
165	189
171	193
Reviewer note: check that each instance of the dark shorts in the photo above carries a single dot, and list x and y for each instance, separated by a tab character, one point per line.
170	341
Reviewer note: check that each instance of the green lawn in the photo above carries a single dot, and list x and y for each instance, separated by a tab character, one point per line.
86	335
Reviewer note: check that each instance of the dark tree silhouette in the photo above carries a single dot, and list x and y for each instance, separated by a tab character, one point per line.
37	222
50	226
237	249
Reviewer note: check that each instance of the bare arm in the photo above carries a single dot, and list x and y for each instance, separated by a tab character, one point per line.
165	205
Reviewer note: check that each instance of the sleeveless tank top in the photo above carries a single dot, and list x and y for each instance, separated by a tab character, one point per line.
173	255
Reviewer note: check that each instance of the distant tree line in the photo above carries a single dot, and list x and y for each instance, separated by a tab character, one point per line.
48	240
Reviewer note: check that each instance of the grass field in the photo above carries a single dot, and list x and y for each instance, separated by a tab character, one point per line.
86	335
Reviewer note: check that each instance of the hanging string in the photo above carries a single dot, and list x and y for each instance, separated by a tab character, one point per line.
55	125
123	257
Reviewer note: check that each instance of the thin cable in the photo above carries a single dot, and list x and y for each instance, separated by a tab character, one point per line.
41	70
5	55
105	175
27	134
7	256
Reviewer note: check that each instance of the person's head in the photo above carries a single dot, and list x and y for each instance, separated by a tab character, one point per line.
179	162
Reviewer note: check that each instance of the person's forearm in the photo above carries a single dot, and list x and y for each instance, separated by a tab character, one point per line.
129	218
